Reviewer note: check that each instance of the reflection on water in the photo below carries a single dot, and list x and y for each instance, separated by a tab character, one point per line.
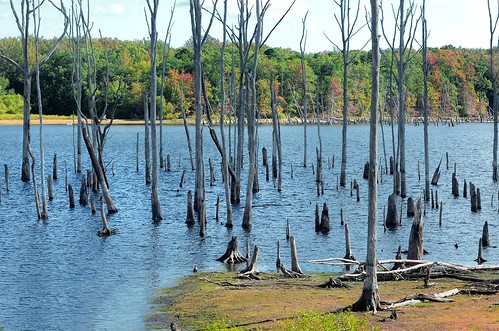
59	275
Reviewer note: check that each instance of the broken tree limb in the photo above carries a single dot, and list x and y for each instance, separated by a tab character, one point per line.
436	174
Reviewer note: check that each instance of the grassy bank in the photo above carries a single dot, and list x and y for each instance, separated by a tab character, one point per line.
221	301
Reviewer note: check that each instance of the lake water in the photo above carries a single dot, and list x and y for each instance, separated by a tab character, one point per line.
59	275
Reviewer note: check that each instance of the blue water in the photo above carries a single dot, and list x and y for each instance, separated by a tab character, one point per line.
59	275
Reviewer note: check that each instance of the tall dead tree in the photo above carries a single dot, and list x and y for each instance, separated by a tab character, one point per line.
493	77
153	34
369	300
426	70
303	44
198	40
27	69
346	23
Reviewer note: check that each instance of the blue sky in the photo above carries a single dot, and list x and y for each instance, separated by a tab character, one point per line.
458	22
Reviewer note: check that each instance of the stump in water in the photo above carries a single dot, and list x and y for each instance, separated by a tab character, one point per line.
365	175
478	199
92	204
432	200
480	259
292	172
182	179
266	163
295	266
54	167
436	174
325	219
485	235
106	230
278	262
168	163
348	249
415	251
473	198
455	186
6	168
212	173
247	249
447	158
83	192
398	265
357	189
232	254
436	199
391	215
441	213
391	165
217	211
51	187
342	221
251	272
287	230
190	210
317	219
71	196
410	207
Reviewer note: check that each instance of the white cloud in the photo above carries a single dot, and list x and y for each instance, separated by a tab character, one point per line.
114	9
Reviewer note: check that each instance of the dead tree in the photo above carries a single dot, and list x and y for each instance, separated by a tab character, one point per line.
436	174
28	10
232	254
147	145
348	249
324	227
251	272
153	34
415	251
485	235
190	210
369	299
410	207
106	230
391	215
493	77
317	219
303	43
455	186
426	70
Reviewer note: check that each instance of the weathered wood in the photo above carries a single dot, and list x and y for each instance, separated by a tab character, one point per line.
342	221
83	192
317	218
332	283
398	256
478	199
287	230
278	262
232	254
365	174
348	249
295	266
485	235
71	196
325	219
217	211
391	165
106	230
473	198
93	208
266	164
168	163
357	189
465	190
391	215
137	154
447	159
480	259
436	199
410	207
436	174
455	186
182	179
415	251
190	210
54	167
432	200
441	213
251	272
6	169
212	172
50	187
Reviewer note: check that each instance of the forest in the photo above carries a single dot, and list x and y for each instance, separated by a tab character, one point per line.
458	85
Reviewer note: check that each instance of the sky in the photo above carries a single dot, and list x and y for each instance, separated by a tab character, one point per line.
461	23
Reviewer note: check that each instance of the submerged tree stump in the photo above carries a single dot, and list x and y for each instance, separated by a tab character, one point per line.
391	165
357	189
6	169
410	207
480	259
190	210
478	199
278	262
455	186
51	187
106	230
83	192
365	175
416	251
485	235
54	167
473	198
465	190
93	208
232	254
325	219
71	196
391	220
348	249
436	174
212	173
317	218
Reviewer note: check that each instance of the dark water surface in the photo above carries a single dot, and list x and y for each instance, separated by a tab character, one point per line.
58	275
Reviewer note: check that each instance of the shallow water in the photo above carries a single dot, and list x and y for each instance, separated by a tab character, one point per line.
58	275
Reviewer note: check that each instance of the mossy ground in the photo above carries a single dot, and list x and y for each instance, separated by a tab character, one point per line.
220	300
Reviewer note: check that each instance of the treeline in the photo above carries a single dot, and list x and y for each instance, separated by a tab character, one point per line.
459	81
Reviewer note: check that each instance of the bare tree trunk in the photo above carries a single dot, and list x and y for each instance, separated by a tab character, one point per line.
425	106
147	150
495	102
369	299
155	205
416	237
303	43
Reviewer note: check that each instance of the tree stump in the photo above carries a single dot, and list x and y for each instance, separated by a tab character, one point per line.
54	167
473	198
251	272
391	165
106	230
71	196
190	210
398	256
51	187
348	249
92	204
168	163
288	235
232	254
365	175
410	207
217	209
342	221
465	190
485	235
278	262
391	215
325	219
182	179
478	199
6	169
317	219
480	259
83	192
357	189
436	174
455	186
415	251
